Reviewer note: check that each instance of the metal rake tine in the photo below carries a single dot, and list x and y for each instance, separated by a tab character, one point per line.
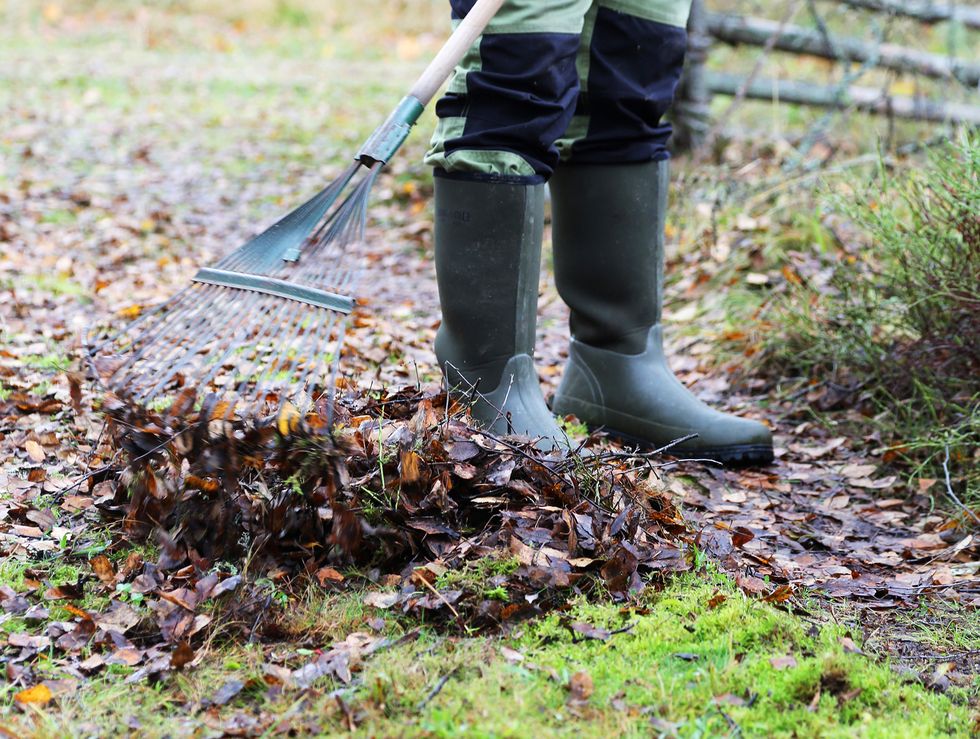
291	308
189	353
143	318
271	309
321	336
204	308
307	348
258	379
341	335
174	317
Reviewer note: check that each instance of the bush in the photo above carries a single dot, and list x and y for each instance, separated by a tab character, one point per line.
896	328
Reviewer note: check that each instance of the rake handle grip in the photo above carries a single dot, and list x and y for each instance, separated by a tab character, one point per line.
453	51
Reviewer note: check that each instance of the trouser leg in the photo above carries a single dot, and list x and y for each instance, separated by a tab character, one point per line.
493	148
512	96
609	199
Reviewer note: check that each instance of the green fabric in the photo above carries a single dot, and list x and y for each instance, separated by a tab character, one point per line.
668	12
538	16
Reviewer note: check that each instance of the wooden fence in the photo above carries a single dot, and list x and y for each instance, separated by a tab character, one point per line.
858	55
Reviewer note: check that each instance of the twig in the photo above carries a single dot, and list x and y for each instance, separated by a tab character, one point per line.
348	716
949	488
437	688
441	597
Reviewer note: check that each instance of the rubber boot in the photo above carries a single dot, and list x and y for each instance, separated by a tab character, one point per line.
608	239
488	263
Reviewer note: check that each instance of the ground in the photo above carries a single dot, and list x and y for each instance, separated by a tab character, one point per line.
827	595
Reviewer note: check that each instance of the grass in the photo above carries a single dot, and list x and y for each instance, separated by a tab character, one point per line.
696	659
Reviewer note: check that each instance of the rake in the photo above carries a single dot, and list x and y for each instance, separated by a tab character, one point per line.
262	327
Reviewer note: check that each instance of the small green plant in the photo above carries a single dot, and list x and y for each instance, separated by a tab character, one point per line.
896	330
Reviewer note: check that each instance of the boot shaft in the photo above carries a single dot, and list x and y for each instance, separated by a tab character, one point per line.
609	250
488	262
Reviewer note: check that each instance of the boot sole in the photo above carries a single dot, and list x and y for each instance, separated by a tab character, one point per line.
737	455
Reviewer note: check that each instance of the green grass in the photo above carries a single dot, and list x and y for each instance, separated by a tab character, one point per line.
695	660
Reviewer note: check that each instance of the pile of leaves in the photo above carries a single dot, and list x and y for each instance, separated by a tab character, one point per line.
401	489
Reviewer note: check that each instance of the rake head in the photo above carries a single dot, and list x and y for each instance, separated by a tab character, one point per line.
261	328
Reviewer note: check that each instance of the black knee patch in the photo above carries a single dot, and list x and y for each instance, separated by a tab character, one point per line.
521	100
635	66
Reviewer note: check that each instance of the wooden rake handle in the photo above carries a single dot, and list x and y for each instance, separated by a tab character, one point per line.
388	138
453	51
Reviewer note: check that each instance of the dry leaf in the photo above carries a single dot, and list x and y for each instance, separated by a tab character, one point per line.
580	686
783	663
104	570
38	695
34	450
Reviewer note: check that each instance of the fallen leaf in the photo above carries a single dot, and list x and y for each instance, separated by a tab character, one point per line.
38	695
580	686
104	570
227	691
34	450
328	575
783	663
379	599
182	655
590	632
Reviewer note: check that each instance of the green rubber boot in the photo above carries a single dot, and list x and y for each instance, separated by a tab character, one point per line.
488	263
609	257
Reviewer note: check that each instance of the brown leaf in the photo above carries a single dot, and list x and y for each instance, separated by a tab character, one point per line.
409	467
590	632
751	584
34	450
183	654
780	594
580	686
783	663
741	536
129	656
716	600
327	575
75	380
104	570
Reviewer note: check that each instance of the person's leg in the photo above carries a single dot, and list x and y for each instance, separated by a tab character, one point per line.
493	149
609	198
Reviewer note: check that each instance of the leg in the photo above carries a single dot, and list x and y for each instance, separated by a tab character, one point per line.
609	205
493	149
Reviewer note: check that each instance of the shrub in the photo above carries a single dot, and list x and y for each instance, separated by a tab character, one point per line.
897	325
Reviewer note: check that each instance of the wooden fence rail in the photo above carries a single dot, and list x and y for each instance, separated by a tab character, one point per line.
735	29
700	84
925	11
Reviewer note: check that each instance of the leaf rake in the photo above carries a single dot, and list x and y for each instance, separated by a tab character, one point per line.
262	327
